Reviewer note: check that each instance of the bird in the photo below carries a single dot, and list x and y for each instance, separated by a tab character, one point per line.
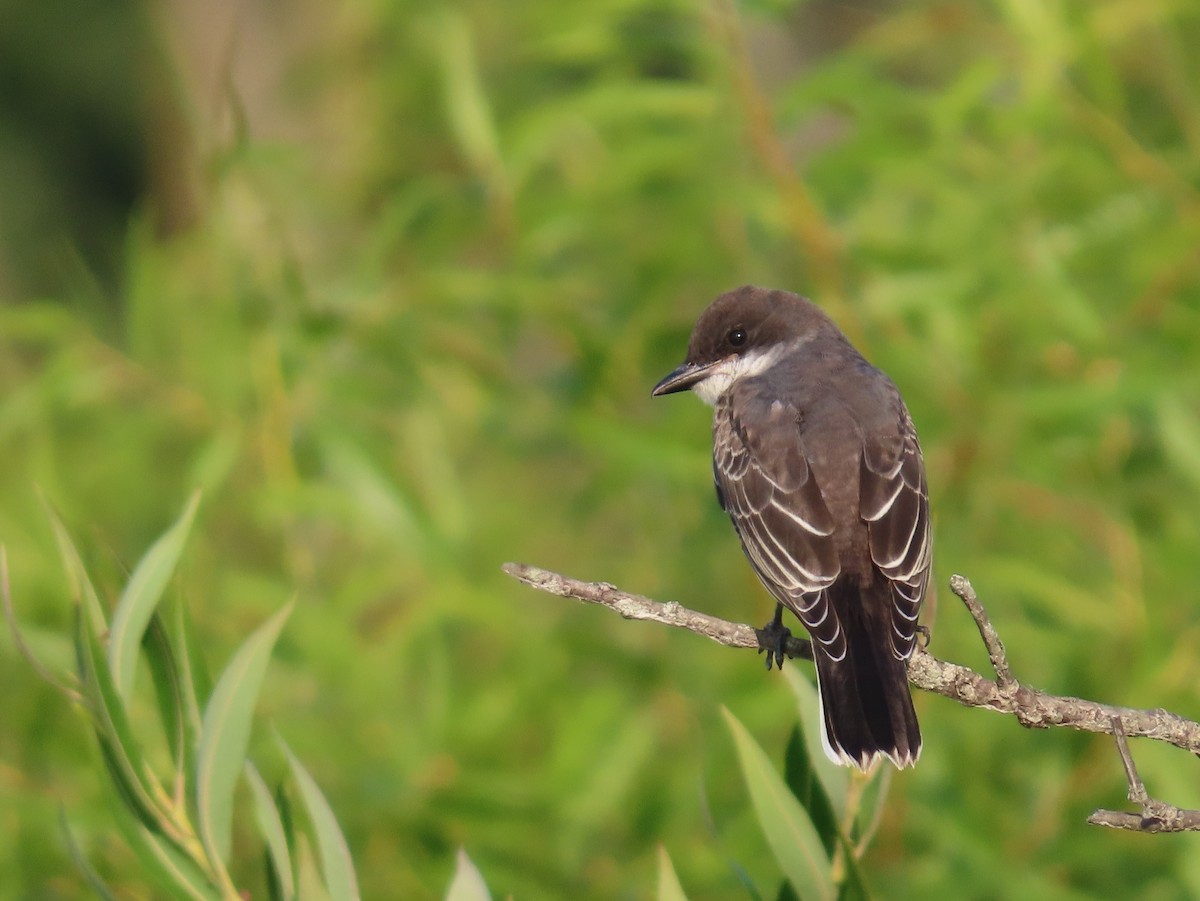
816	461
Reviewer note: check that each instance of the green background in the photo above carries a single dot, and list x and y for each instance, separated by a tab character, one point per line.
391	282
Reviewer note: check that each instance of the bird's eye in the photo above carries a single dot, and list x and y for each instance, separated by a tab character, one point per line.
737	337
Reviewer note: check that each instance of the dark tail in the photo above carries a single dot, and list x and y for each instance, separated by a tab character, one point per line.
865	702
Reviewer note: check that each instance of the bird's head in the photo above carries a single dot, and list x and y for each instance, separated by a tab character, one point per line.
742	334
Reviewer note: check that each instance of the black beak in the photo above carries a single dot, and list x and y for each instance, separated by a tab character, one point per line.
682	378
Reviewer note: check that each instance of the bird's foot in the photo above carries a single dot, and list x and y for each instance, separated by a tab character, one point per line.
925	634
773	638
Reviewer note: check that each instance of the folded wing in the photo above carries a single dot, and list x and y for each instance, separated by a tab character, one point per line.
780	515
894	501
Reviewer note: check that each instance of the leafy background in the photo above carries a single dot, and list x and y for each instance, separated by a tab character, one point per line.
391	283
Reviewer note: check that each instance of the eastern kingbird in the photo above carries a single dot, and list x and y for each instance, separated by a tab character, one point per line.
816	461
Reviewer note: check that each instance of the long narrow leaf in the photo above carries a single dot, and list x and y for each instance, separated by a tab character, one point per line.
194	678
854	885
804	784
467	884
309	884
98	885
177	872
283	804
870	810
669	888
336	862
82	590
122	753
270	824
168	690
788	830
141	596
225	734
834	779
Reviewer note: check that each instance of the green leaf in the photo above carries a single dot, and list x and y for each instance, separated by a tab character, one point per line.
854	886
270	824
82	590
141	596
122	753
225	734
168	691
468	884
283	805
669	888
804	784
308	877
98	885
336	862
177	872
195	680
834	779
874	799
788	830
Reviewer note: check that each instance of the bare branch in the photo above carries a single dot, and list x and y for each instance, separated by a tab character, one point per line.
1032	708
1156	816
1168	819
635	606
1137	790
995	647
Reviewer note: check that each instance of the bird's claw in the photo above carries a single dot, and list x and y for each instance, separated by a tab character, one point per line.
773	638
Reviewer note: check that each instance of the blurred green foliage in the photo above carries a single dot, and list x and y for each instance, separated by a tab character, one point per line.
411	335
174	803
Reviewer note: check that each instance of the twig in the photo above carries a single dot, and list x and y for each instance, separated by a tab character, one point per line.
991	640
1032	708
1156	816
635	606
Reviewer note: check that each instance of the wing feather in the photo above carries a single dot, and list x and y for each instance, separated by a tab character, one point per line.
781	518
765	483
895	504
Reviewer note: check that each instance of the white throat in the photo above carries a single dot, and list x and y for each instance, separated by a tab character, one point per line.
726	374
